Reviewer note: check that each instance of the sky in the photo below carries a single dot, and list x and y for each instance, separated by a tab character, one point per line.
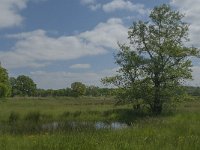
57	42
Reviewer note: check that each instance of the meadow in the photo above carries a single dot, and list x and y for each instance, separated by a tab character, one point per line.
22	123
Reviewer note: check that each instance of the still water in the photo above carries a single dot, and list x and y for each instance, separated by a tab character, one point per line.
94	125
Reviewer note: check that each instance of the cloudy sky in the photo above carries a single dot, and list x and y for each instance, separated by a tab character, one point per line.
57	42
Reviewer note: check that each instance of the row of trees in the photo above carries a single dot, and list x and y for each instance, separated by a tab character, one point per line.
25	86
89	91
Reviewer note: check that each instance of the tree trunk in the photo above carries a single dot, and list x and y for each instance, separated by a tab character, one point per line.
157	107
157	104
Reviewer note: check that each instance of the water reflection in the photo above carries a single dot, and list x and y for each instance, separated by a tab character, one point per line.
94	125
112	125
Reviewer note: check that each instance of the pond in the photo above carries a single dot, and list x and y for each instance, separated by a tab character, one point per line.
81	125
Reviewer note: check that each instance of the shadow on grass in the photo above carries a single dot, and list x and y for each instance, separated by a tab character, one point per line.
130	116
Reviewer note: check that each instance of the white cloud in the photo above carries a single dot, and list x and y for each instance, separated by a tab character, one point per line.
9	15
115	5
80	66
107	34
10	12
92	4
58	80
37	49
191	9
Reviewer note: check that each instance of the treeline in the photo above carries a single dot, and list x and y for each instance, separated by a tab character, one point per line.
90	91
25	86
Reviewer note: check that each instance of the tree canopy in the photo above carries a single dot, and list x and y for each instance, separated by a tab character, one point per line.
156	61
23	86
78	88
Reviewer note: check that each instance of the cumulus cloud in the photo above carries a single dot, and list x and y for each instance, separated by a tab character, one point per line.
191	9
124	5
107	34
10	12
37	49
115	5
34	48
80	66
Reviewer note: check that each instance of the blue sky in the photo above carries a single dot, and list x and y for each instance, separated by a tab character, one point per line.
57	42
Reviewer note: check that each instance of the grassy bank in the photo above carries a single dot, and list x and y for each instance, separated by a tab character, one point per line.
178	130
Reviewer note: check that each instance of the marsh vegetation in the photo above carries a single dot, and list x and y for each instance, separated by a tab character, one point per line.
86	123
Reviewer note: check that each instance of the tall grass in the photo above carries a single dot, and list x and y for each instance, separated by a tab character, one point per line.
179	130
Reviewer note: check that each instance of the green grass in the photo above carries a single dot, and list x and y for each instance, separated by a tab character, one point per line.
178	130
55	107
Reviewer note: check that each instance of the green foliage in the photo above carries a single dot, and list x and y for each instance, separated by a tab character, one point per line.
92	91
23	86
78	89
13	84
5	89
156	62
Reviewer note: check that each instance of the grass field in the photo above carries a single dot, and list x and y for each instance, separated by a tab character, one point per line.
20	119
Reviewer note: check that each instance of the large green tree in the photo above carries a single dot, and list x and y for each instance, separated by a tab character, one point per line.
24	86
156	61
4	83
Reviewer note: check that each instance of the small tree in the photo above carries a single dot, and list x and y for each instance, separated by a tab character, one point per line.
78	88
156	62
